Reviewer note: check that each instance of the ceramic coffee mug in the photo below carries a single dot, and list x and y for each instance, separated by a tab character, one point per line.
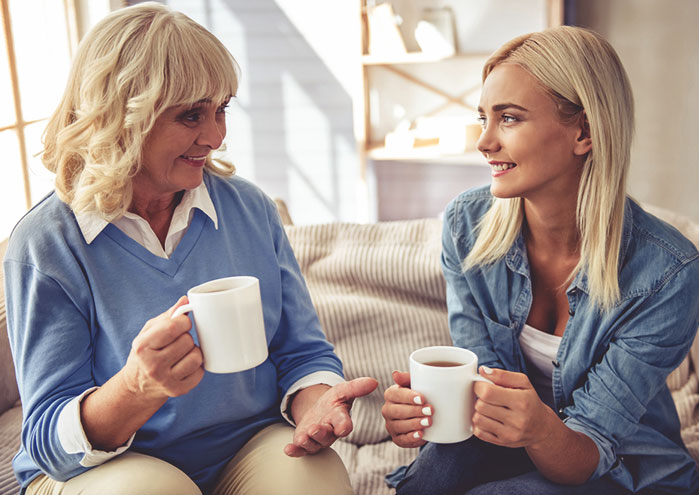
229	323
444	375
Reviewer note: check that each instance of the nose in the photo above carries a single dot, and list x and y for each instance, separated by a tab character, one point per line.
213	130
488	142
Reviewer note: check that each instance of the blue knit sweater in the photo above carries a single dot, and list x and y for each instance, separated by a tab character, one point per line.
73	310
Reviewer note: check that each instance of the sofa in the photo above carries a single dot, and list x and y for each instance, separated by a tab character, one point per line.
379	293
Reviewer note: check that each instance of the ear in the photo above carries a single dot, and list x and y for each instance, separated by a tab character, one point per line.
583	138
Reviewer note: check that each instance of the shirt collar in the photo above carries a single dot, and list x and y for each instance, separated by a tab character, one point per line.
92	224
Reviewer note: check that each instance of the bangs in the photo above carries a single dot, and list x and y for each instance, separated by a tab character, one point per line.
196	67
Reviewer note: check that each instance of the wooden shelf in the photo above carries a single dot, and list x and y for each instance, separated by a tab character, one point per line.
427	154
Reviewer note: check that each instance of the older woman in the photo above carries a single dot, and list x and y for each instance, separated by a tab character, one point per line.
115	396
576	301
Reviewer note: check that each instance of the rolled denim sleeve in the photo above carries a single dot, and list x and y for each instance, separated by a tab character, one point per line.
466	321
651	337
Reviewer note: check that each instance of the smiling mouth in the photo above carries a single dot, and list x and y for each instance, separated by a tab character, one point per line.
194	158
500	166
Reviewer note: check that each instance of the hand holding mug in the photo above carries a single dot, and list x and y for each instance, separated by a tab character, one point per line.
405	412
164	361
511	414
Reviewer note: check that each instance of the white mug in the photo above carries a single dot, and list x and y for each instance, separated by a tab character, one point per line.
444	375
229	323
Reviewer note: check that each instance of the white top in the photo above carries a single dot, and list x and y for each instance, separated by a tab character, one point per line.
540	350
70	430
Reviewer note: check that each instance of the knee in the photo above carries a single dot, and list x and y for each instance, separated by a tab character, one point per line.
134	473
438	468
320	473
261	466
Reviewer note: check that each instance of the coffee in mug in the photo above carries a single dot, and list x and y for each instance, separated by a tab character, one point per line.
443	364
229	322
444	375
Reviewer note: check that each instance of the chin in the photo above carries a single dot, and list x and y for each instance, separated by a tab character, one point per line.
501	192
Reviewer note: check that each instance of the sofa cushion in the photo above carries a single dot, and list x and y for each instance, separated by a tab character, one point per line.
8	385
380	294
10	428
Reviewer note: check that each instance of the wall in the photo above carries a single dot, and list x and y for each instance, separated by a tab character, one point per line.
658	43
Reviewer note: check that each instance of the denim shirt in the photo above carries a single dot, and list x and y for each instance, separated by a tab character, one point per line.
609	377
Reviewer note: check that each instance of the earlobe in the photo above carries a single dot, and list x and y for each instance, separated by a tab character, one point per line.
583	141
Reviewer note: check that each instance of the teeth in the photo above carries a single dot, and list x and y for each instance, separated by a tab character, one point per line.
195	158
503	166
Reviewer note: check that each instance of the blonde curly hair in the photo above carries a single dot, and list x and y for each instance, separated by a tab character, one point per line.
132	66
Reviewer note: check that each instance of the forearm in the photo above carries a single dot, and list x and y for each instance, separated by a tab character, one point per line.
304	399
565	456
112	414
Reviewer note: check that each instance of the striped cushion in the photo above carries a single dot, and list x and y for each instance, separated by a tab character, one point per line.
379	292
8	385
10	425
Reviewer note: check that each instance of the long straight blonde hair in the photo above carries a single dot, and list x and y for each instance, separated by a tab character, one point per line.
582	73
132	66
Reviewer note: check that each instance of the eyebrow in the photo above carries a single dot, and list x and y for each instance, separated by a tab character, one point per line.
504	106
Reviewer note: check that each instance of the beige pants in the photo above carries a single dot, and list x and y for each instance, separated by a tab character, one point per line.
260	468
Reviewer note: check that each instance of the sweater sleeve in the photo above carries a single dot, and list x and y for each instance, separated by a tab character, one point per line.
299	347
51	346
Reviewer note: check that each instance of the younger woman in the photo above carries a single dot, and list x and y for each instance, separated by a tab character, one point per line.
577	302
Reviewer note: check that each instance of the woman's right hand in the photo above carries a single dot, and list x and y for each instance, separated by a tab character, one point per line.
405	412
164	360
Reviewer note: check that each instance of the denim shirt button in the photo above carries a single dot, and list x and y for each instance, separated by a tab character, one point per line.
556	364
571	312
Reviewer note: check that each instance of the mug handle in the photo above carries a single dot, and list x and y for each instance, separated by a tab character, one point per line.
181	310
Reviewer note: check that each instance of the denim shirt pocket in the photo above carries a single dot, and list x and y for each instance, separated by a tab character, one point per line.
503	339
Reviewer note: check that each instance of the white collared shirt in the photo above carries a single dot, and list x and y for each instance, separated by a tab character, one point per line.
70	429
138	229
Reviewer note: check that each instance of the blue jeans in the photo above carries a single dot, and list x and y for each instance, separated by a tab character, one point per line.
475	467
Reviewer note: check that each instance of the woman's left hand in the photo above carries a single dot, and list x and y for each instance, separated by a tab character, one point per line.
324	414
510	412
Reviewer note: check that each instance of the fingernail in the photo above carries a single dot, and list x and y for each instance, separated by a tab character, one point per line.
417	400
425	422
416	434
487	370
427	411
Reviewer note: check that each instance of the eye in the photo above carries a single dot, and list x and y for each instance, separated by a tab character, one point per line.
481	120
509	119
190	117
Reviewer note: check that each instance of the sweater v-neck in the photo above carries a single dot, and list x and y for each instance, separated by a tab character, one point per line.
168	266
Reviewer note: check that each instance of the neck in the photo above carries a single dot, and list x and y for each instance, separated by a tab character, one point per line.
552	227
157	212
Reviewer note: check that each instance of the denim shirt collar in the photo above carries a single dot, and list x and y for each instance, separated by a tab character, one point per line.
517	261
